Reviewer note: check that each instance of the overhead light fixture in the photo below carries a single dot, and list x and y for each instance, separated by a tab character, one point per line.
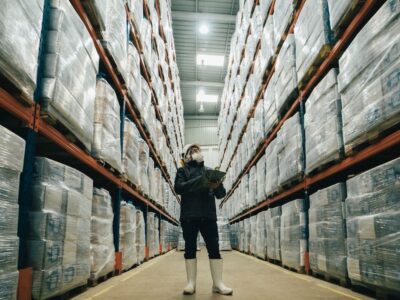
206	98
203	29
201	109
210	60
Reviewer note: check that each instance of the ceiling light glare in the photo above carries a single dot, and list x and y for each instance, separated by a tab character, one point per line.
203	29
206	98
210	60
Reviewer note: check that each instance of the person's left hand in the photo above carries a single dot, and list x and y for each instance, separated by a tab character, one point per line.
214	185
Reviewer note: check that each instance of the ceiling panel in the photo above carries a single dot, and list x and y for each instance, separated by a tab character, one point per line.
189	42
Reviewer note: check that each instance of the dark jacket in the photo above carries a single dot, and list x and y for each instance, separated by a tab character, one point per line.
195	203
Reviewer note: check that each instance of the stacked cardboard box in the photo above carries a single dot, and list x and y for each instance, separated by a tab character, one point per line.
12	150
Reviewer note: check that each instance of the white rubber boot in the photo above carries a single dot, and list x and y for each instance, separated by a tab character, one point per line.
216	274
191	273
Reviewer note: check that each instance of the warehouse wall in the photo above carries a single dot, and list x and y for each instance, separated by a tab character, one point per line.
201	131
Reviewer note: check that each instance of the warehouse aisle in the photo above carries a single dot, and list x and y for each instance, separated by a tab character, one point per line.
164	277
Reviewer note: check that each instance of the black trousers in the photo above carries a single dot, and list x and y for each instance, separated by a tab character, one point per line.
208	229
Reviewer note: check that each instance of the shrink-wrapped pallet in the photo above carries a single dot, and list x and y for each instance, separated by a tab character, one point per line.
136	8
151	233
261	235
252	186
323	124
273	227
59	234
268	46
327	232
271	168
253	234
290	151
260	167
286	76
151	179
127	235
143	151
145	36
283	15
373	227
106	144
140	242
19	56
70	65
102	238
340	12
313	37
293	234
224	234
258	125
130	154
368	78
9	285
269	101
135	79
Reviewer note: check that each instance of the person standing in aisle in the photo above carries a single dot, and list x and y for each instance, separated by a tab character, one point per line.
198	213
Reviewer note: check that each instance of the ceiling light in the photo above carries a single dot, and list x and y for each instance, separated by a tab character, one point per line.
201	109
206	98
201	92
210	60
203	29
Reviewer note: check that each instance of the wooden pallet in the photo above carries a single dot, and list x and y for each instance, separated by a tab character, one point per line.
292	182
374	291
274	261
344	281
63	130
8	85
354	8
371	137
324	52
114	64
95	281
333	160
110	168
71	293
300	270
287	104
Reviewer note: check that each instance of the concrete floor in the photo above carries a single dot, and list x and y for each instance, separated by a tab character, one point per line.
164	277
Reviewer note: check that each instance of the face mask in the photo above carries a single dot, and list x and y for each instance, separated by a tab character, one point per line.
197	157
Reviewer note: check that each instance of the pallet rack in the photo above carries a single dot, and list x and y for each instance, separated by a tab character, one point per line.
28	122
338	48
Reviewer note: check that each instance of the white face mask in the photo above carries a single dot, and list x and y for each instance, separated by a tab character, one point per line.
198	157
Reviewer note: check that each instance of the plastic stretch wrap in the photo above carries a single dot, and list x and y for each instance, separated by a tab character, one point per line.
247	235
151	232
368	78
127	235
268	47
140	242
258	125
373	227
19	56
283	14
340	10
271	168
286	76
157	185
312	35
252	234
290	151
224	234
260	193
107	140
273	227
12	151
261	235
151	179
293	234
270	113
327	231
102	238
143	150
9	285
59	233
130	154
70	63
145	37
9	246
115	35
134	77
323	123
136	8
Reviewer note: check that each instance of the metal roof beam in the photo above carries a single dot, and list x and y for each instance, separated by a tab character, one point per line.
190	16
203	83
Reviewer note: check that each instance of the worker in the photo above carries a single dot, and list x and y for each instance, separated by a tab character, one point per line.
198	213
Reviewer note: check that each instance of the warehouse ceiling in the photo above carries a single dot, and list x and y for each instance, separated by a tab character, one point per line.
191	19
